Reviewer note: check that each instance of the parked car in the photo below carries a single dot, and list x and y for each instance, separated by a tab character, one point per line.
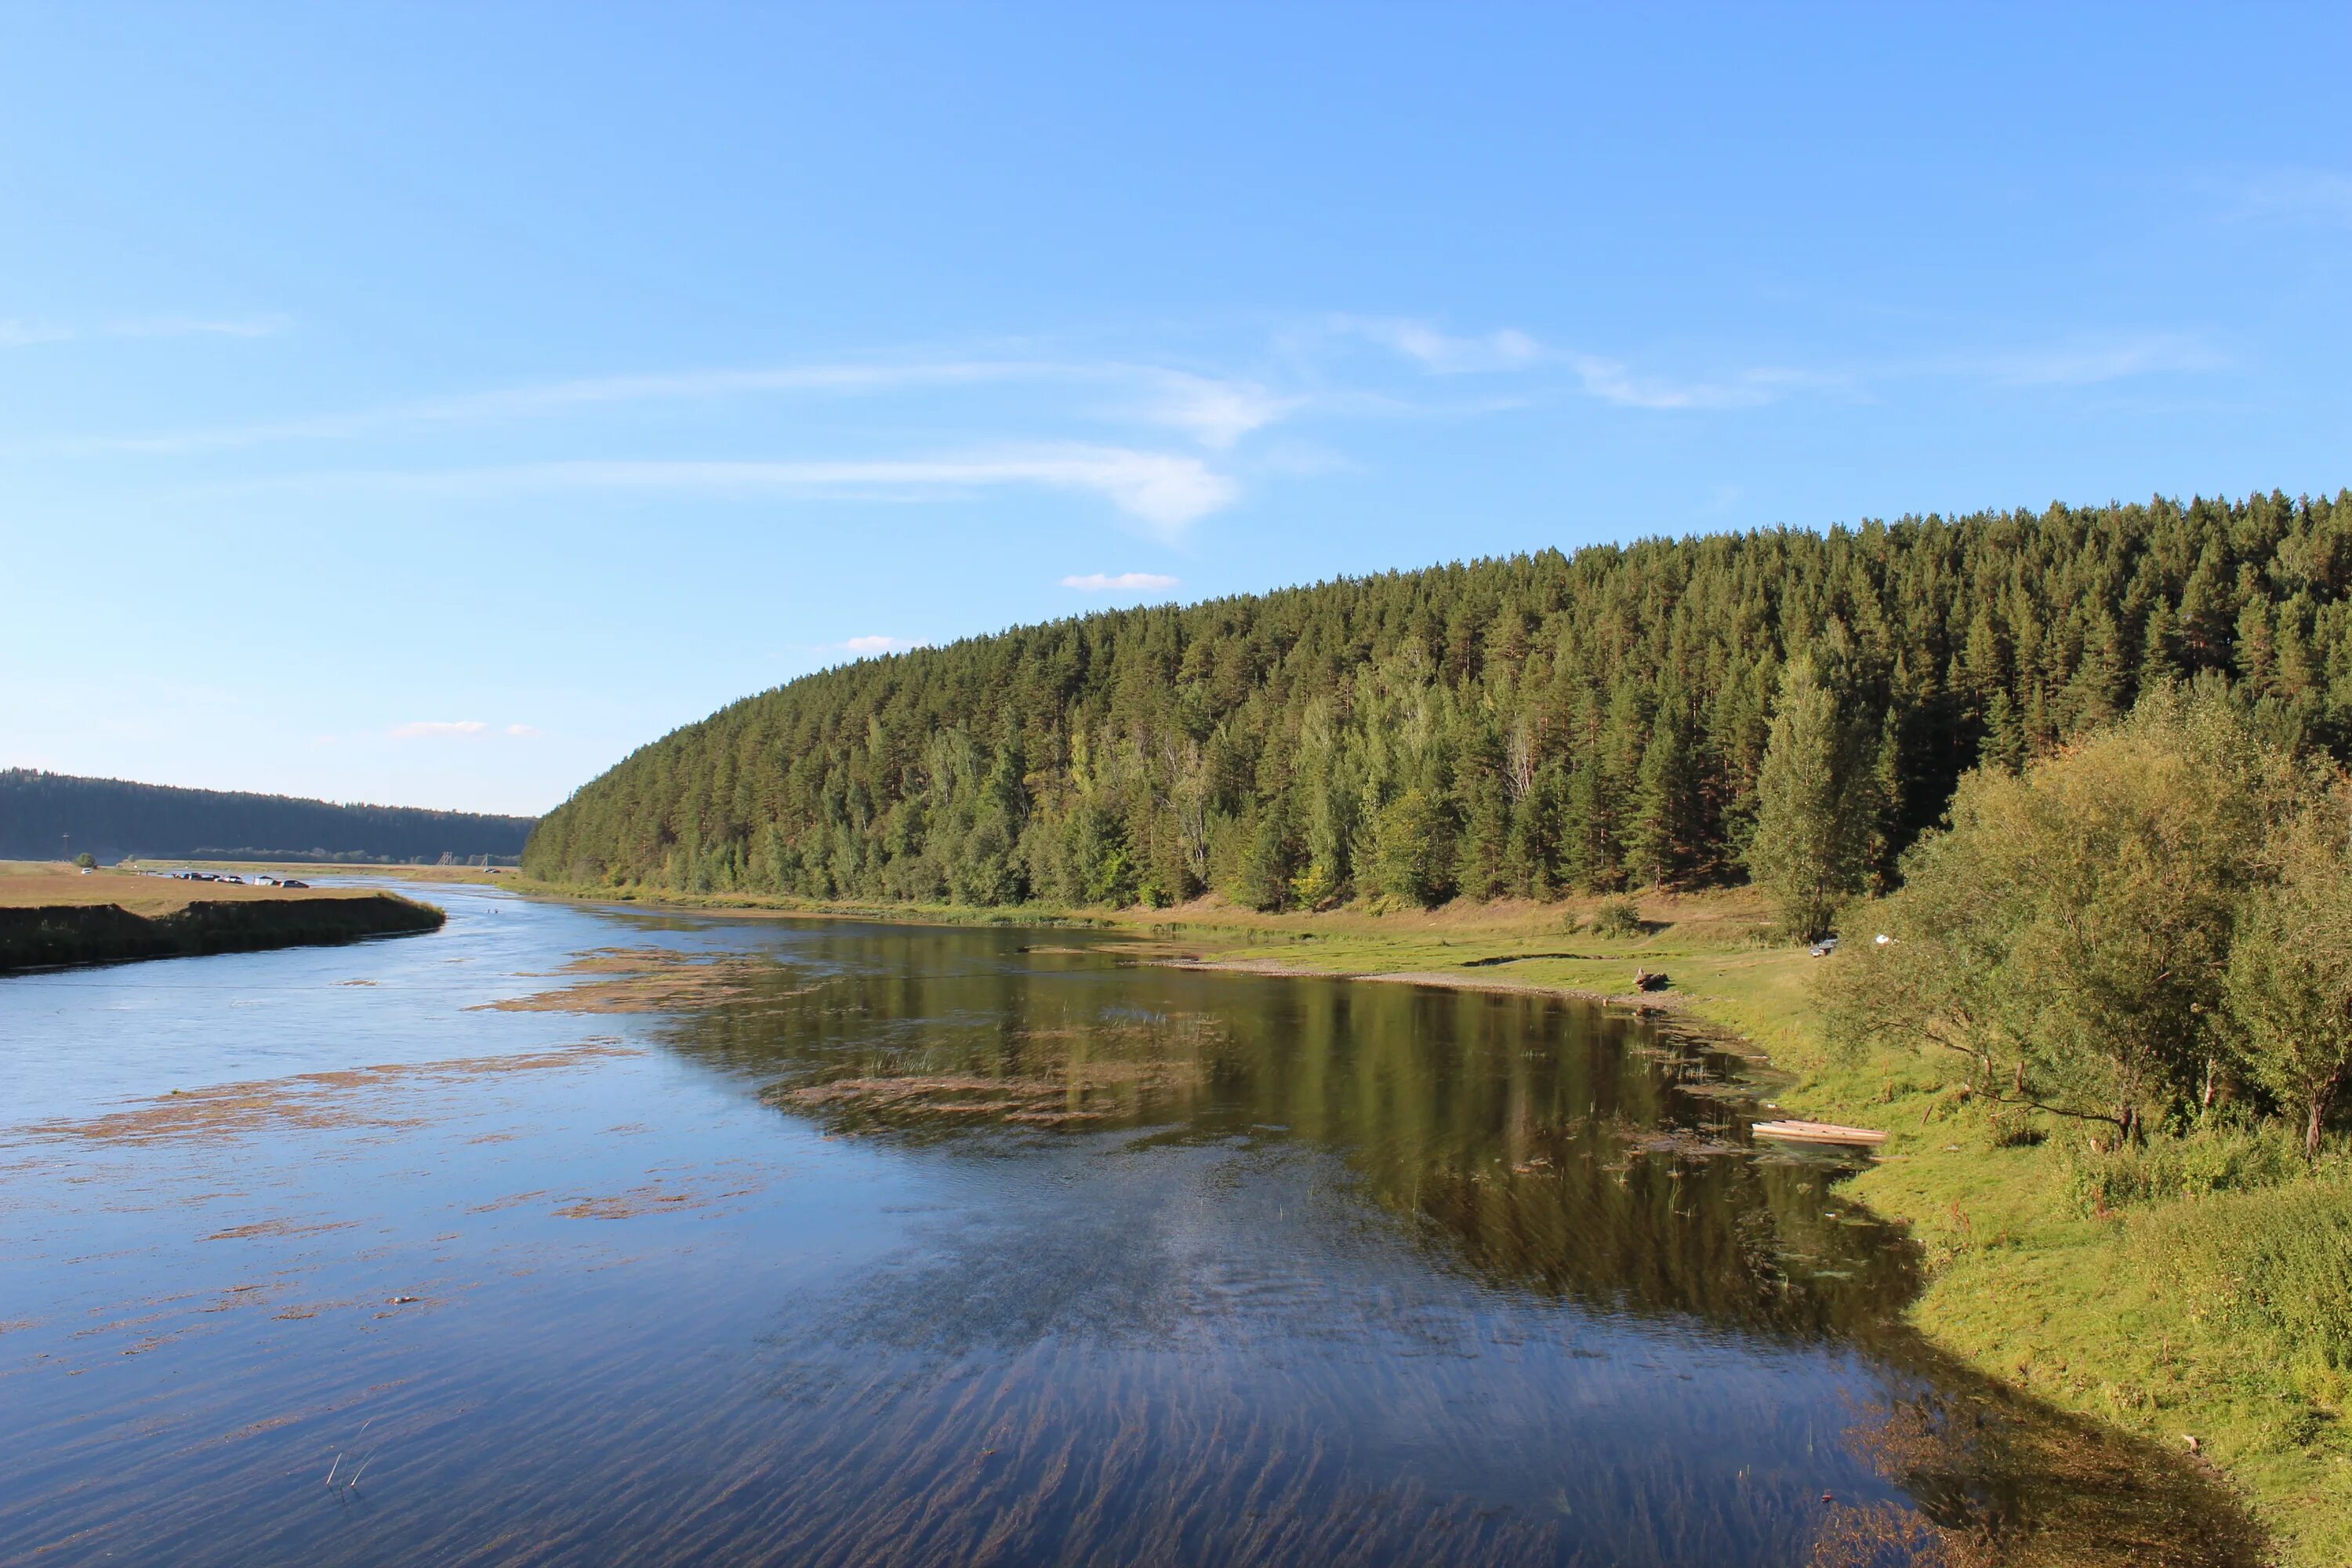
1824	947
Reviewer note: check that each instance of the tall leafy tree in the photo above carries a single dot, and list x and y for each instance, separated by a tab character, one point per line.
2071	930
1413	850
2289	983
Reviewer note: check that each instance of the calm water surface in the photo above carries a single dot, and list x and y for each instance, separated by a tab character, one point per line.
916	1245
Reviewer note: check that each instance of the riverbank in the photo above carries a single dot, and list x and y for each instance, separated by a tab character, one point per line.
2024	1283
53	914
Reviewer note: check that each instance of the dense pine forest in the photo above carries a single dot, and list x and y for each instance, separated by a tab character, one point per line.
1525	727
45	816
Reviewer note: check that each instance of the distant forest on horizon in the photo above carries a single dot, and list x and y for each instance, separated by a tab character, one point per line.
1530	726
45	816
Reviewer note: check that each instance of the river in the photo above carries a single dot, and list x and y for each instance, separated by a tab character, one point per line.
579	1235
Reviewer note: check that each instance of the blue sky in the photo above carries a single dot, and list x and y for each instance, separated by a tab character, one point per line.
429	404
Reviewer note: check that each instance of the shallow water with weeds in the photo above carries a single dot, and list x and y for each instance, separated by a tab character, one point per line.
570	1235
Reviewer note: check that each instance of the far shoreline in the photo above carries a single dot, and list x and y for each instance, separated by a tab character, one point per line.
56	917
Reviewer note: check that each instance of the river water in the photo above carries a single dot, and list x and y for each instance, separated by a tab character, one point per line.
741	1240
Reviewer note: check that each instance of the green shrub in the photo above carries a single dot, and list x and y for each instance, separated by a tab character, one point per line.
1413	850
2276	1262
2009	1127
2201	1163
1618	917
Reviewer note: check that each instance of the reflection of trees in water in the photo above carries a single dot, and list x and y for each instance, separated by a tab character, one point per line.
1875	1535
1538	1145
1995	1477
1511	1128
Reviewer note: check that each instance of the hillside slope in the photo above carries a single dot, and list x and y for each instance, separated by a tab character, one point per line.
44	814
1515	726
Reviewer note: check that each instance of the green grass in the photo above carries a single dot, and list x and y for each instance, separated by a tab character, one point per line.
2203	1312
2203	1289
2276	1263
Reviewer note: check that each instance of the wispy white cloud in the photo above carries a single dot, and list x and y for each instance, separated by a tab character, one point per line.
545	398
2323	196
1121	581
1444	353
198	326
871	646
1613	382
2083	362
438	729
1510	349
15	332
1215	412
1167	490
1302	459
456	729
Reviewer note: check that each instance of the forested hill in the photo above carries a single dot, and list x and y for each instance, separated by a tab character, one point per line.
1522	726
43	814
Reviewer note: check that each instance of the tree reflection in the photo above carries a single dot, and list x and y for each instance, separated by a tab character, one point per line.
1536	1145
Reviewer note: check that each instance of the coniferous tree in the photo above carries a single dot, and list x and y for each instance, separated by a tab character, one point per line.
1662	841
2003	746
1813	813
1637	680
1265	873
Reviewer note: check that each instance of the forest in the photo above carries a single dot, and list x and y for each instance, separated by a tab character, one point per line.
1526	727
48	816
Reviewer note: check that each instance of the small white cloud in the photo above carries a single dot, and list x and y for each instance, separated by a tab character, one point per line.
1169	491
1304	459
2324	196
873	646
1611	381
1218	413
1120	582
460	730
15	333
198	327
2088	362
1445	354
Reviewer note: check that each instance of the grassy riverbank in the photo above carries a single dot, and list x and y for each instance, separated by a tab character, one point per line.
53	914
2092	1308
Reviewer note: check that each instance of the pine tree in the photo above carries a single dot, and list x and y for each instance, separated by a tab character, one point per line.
1662	839
1587	856
2003	746
1486	840
1812	821
955	772
1268	862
